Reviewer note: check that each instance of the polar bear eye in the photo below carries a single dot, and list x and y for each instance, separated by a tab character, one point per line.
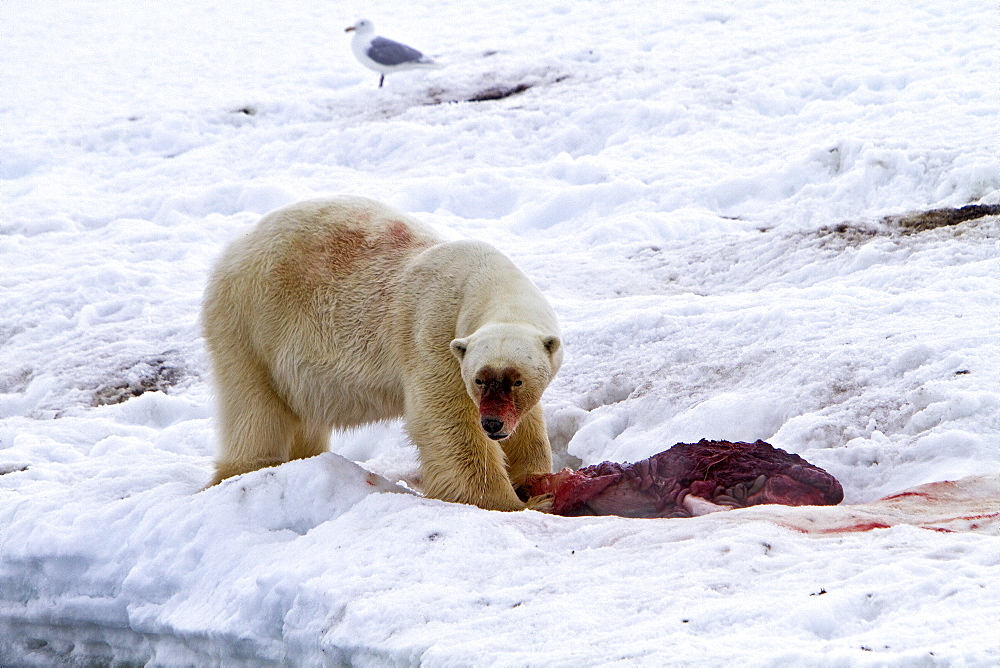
517	383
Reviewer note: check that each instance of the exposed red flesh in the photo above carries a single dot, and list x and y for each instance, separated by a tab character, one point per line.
725	473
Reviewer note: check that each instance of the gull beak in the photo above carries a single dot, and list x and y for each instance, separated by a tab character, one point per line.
349	29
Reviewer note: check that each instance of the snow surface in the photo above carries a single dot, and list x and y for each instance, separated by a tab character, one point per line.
700	189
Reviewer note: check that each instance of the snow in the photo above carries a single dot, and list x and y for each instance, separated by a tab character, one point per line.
700	190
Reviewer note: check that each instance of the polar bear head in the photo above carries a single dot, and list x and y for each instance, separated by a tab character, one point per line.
505	368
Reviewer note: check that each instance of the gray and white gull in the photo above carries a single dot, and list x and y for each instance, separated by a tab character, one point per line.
384	55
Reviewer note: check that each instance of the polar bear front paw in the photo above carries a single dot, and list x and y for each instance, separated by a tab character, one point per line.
542	503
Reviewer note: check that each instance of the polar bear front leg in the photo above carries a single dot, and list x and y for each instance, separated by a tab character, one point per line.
458	463
527	449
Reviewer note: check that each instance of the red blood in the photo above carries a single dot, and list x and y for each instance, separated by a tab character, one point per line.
499	407
905	494
856	528
398	234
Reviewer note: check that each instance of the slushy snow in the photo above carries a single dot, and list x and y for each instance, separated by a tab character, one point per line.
703	190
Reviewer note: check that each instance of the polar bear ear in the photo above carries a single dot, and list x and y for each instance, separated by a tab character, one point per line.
458	348
552	344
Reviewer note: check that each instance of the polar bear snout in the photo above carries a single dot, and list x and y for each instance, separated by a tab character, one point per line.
495	390
498	417
493	428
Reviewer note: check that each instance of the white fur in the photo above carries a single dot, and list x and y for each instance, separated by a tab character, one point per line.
333	313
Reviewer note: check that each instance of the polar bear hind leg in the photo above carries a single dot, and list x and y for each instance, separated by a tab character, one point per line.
256	426
309	442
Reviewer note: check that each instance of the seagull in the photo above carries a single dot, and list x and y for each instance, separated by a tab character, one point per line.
384	55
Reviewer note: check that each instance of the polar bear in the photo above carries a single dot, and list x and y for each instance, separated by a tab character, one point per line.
337	312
